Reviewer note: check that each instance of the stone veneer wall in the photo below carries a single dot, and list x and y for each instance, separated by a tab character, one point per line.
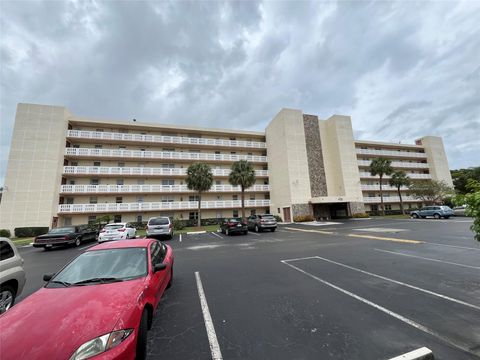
301	210
316	169
357	207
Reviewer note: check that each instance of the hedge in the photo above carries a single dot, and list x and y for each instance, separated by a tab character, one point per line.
30	231
5	233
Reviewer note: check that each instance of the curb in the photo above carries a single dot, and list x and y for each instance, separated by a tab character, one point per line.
196	232
419	354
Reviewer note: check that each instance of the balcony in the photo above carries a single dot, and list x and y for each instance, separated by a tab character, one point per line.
389	199
143	189
161	139
158	155
398	164
384	187
391	153
156	206
142	171
411	176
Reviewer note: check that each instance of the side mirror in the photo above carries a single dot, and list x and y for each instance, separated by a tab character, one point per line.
159	267
48	277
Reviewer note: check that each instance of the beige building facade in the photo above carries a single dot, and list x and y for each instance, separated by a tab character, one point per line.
65	169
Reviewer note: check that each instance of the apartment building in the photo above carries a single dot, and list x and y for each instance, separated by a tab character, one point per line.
64	169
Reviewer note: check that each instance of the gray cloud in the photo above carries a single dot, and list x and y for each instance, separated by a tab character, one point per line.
402	70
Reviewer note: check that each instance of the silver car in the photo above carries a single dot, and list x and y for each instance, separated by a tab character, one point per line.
159	226
12	275
262	222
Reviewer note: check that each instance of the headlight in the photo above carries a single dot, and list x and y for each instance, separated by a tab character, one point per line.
100	344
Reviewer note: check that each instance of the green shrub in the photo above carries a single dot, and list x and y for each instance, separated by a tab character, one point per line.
30	231
5	233
360	216
303	218
278	218
178	224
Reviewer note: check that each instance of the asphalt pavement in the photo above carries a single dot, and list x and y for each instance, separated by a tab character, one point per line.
364	289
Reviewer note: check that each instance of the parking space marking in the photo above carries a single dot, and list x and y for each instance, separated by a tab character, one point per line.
396	282
371	237
207	318
311	231
386	311
453	246
180	238
214	233
430	259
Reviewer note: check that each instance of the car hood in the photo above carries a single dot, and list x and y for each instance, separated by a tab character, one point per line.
53	322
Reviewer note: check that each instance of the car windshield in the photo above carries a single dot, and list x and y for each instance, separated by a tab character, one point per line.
267	217
114	227
158	221
121	264
62	230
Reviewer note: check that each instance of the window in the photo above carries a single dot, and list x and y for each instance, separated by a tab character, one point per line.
155	253
168	198
72	182
388	207
168	182
91	219
76	146
117	218
169	149
97	146
252	196
140	182
94	181
193	215
118	199
121	164
139	199
74	163
374	208
218	182
122	147
278	210
233	138
233	152
253	212
69	200
234	197
93	199
6	251
235	213
168	166
193	198
96	163
67	221
139	218
99	130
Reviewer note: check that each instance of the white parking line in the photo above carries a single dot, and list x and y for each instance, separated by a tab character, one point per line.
453	246
401	283
213	233
180	238
212	336
385	310
430	259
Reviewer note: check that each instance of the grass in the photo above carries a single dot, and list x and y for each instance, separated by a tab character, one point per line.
396	216
22	241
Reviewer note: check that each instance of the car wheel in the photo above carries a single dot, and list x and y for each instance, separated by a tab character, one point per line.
273	229
415	216
171	280
78	241
142	337
256	228
245	232
7	298
436	216
47	248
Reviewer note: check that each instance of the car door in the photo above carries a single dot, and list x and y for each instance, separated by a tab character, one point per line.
158	278
250	222
424	211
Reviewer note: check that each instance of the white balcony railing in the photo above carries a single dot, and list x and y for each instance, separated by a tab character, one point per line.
410	175
142	171
384	187
398	164
161	155
389	199
391	153
156	206
162	139
98	189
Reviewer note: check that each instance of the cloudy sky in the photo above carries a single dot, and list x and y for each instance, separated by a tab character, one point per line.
400	69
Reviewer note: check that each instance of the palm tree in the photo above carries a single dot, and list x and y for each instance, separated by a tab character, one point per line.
381	166
399	179
199	178
243	175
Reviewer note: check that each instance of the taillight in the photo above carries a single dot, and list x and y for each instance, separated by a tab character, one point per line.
66	237
121	230
170	226
262	221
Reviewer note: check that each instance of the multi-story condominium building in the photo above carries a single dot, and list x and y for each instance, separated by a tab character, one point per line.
64	169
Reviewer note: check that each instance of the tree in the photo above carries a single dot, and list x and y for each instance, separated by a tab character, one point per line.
199	178
399	179
431	192
472	200
461	176
381	166
243	175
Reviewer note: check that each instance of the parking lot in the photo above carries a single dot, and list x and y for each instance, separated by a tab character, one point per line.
364	289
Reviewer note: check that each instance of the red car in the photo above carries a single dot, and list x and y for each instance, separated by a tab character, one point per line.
99	306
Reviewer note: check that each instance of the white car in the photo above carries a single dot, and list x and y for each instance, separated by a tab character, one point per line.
12	274
117	231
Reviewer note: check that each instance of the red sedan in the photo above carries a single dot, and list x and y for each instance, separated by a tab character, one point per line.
98	306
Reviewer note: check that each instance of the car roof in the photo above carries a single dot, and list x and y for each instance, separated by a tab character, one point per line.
112	224
122	244
159	217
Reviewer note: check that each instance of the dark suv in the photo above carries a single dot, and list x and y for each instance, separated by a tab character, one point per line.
234	225
262	222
